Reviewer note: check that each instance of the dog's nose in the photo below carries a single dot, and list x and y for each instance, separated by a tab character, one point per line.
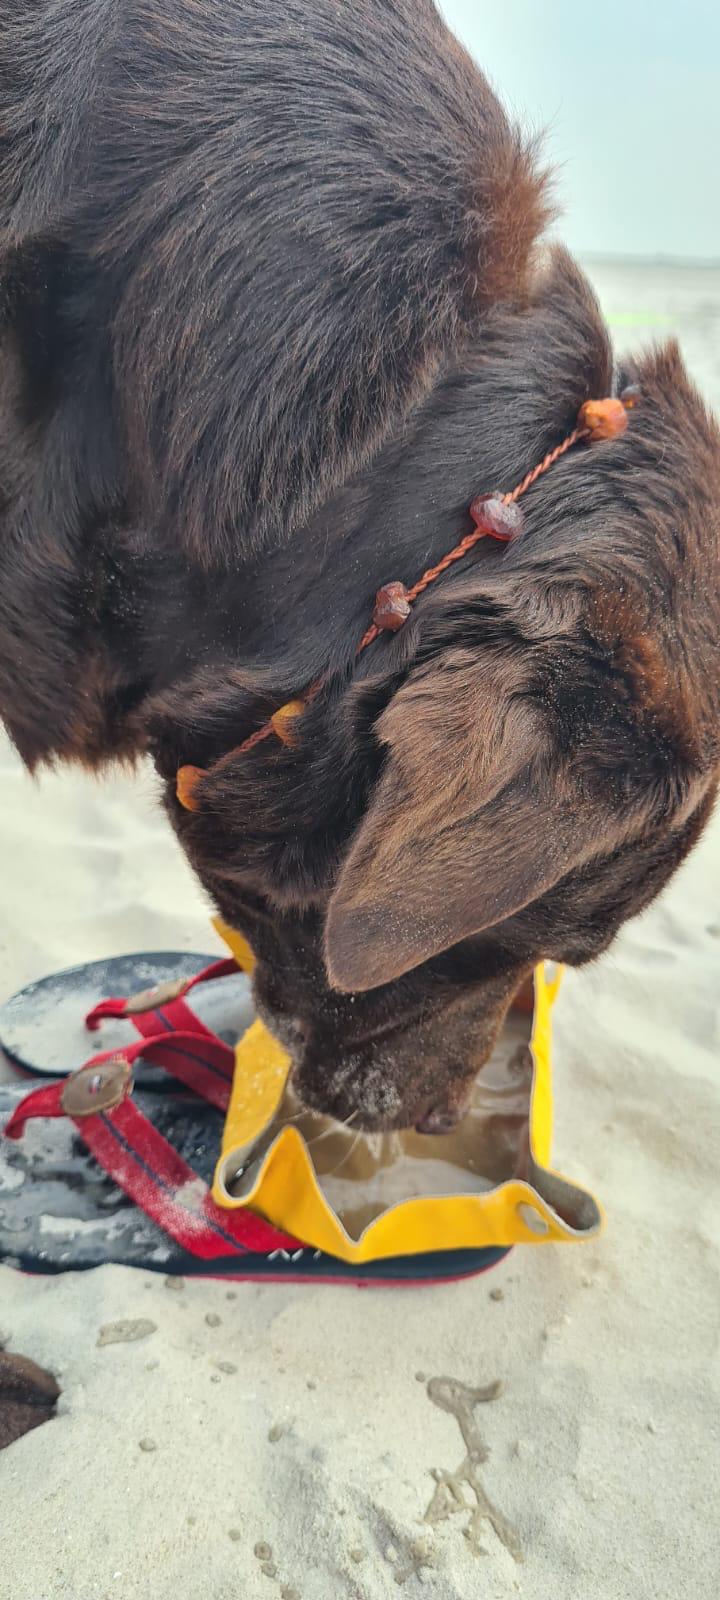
441	1120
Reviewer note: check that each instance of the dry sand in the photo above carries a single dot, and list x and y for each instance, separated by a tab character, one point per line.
304	1466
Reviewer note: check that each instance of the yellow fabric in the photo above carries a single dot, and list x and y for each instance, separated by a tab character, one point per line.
261	1069
237	945
287	1192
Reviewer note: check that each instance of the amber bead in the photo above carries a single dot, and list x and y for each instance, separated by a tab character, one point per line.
603	419
186	781
392	607
500	518
283	719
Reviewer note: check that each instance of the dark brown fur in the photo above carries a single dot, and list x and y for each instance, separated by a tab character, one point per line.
267	325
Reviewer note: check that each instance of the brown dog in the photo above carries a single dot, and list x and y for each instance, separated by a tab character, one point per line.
270	318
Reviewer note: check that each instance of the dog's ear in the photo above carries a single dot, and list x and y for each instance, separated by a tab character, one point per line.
474	816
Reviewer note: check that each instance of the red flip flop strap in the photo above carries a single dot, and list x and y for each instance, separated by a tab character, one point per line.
142	1163
138	1158
204	1065
45	1102
217	969
113	1006
173	1015
176	1016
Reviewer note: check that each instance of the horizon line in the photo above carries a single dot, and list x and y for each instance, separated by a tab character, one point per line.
655	258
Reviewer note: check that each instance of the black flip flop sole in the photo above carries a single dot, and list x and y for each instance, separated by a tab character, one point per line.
59	1212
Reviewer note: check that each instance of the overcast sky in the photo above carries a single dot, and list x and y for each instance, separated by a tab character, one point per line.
630	92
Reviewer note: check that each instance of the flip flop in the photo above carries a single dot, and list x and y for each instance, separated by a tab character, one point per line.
46	1028
89	1176
60	1212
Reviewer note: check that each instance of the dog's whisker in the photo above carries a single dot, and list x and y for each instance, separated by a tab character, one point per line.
335	1127
324	1134
348	1153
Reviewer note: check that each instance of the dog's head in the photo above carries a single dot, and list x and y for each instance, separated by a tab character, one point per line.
511	777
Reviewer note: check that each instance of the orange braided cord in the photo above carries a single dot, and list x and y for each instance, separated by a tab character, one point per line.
548	461
372	634
254	738
598	419
471	539
457	554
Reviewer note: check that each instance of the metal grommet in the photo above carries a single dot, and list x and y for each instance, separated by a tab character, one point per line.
533	1219
97	1088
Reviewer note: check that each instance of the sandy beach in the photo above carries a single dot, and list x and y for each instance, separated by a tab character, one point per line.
285	1441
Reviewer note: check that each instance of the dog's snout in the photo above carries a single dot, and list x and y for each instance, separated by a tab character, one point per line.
438	1121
